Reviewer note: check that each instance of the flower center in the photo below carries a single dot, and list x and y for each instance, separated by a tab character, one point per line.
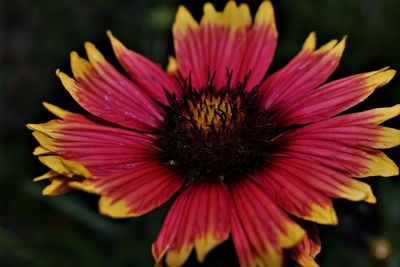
211	112
216	133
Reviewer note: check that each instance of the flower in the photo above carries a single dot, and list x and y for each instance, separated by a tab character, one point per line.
246	156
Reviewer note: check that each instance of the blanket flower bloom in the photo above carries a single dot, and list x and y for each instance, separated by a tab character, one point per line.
247	156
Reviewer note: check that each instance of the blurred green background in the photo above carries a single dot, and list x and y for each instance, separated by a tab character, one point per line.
36	38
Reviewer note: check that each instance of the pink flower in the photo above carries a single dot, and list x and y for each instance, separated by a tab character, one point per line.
244	154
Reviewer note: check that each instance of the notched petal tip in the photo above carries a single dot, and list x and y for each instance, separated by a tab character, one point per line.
265	15
380	77
245	13
232	16
211	16
184	20
80	67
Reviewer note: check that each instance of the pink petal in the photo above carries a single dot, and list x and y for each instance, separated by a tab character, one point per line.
308	70
260	230
260	45
198	218
147	75
104	92
223	41
93	143
346	144
296	196
120	165
332	98
137	191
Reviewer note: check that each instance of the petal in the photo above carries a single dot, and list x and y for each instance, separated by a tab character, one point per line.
260	230
40	151
118	164
65	167
333	98
58	186
305	251
325	155
147	75
137	191
47	175
198	218
90	143
226	40
104	92
260	45
294	195
172	67
308	70
348	143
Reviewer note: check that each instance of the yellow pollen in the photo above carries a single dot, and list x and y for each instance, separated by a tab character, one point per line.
209	111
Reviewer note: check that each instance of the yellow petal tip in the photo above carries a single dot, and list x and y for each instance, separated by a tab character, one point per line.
74	55
109	33
80	67
184	20
59	112
30	126
265	15
116	44
310	42
118	209
172	66
323	214
94	55
380	77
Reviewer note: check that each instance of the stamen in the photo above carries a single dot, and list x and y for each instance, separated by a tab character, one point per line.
216	133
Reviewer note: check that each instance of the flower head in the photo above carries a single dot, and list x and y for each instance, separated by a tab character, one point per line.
248	156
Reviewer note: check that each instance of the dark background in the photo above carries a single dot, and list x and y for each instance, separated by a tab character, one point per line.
36	38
